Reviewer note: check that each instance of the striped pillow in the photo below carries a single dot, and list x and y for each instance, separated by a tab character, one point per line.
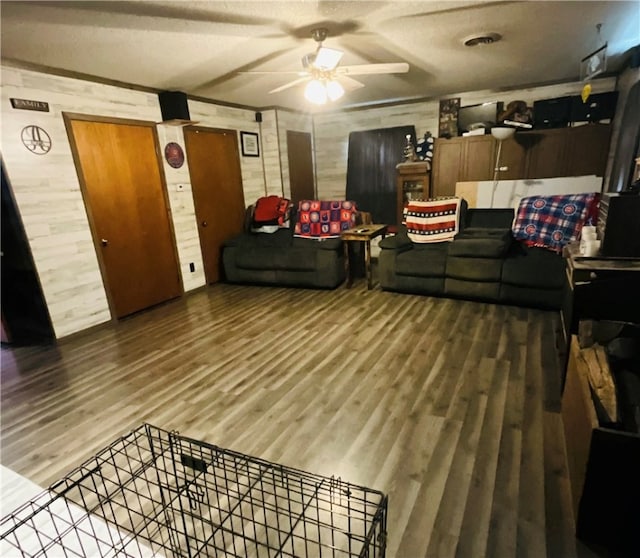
433	220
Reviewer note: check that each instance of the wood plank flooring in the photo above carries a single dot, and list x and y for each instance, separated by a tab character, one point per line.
450	407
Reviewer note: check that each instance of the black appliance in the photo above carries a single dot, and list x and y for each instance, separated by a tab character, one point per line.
619	225
552	113
601	106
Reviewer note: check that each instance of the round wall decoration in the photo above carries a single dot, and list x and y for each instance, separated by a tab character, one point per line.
36	139
174	155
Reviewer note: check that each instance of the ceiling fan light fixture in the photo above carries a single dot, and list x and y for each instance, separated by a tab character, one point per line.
483	39
334	90
316	92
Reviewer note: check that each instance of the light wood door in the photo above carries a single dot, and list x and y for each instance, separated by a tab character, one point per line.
125	196
216	181
300	158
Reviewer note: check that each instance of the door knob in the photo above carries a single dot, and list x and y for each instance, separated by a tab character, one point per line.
104	242
204	223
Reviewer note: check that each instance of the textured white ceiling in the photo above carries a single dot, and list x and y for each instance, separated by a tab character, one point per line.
199	47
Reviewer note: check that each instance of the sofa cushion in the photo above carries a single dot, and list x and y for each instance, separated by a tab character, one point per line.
494	218
426	260
317	244
489	290
481	243
280	239
292	259
474	269
534	267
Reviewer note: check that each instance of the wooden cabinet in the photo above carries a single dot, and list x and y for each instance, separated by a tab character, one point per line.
588	150
412	182
479	158
462	159
578	151
546	153
448	153
603	463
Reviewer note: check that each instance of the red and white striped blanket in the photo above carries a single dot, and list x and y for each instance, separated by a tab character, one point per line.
434	220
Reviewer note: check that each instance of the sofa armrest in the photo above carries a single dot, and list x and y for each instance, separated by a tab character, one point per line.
396	242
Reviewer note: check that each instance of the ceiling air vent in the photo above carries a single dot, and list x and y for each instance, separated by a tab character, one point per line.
484	39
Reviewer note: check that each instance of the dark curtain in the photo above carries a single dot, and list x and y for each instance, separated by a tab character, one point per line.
628	143
371	170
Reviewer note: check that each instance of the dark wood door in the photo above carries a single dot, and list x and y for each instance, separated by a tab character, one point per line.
371	170
300	156
126	200
216	181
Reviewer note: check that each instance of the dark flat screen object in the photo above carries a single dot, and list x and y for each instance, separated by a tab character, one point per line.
478	116
552	113
601	106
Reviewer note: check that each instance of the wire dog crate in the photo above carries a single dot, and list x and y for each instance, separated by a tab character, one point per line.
156	493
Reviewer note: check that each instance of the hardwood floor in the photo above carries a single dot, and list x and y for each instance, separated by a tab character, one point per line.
450	407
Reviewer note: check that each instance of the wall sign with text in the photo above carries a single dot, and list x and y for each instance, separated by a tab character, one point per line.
26	104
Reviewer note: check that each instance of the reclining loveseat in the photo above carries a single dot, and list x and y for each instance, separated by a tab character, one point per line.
281	255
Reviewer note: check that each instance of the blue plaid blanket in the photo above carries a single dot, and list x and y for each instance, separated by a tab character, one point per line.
552	221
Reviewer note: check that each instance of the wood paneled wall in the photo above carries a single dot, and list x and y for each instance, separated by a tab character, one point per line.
48	194
296	122
332	128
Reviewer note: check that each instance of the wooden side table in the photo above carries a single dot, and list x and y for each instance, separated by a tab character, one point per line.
362	233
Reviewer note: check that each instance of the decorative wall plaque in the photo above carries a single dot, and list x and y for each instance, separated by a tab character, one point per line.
174	155
250	145
36	139
26	104
448	125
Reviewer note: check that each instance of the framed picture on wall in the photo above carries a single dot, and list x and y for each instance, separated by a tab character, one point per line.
448	121
250	144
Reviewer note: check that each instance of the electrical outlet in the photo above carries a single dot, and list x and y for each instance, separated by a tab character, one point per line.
192	267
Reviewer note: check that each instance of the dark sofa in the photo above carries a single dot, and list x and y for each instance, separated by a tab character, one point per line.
281	259
483	262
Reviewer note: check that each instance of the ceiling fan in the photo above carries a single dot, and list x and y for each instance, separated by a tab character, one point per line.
327	80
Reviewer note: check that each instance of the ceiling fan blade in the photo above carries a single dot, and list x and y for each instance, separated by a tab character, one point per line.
327	58
349	83
361	69
290	84
279	72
